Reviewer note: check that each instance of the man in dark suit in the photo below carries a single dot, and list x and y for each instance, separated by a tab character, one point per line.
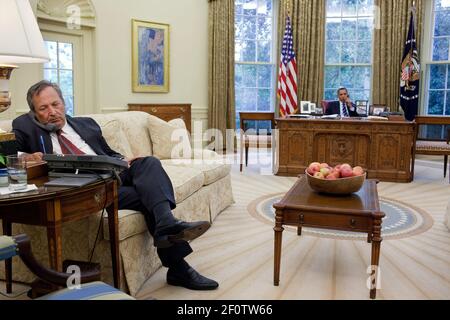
145	185
343	107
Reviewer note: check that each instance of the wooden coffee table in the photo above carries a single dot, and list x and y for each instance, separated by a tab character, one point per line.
358	212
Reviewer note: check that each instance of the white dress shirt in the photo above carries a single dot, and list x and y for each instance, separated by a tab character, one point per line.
72	136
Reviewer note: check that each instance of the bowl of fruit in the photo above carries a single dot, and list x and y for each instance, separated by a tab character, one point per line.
341	179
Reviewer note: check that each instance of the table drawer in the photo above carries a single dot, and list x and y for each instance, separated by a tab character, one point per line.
332	221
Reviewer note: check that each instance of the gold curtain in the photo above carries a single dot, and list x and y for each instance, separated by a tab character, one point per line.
389	41
308	30
221	113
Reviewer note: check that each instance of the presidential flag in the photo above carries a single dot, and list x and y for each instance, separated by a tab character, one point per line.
410	75
287	77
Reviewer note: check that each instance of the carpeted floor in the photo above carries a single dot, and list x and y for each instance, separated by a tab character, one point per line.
238	250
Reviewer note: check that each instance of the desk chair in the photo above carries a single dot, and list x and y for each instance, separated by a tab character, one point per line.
91	288
435	146
325	104
255	140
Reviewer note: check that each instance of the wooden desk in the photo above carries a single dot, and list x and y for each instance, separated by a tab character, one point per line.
52	206
383	148
166	112
303	207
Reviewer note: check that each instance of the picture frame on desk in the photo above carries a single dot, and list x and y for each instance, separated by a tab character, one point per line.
362	107
150	56
375	111
305	107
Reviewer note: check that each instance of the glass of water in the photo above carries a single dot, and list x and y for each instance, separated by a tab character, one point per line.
17	173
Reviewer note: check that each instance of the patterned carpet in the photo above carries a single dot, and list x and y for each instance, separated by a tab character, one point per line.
238	249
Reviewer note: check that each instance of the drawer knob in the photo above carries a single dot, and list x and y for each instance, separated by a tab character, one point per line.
353	222
302	218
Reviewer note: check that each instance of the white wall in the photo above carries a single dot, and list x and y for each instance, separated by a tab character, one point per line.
188	20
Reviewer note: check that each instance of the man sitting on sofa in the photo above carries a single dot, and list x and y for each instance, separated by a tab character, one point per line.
145	185
343	107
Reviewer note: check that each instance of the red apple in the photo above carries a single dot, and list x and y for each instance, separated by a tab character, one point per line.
346	171
358	171
313	168
331	177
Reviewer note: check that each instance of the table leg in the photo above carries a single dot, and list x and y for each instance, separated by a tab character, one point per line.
113	222
376	248
7	230
277	250
55	246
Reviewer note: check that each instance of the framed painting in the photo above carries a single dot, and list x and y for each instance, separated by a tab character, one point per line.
362	107
150	69
305	107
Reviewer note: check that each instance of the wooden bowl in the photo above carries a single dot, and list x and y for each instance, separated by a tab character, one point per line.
340	186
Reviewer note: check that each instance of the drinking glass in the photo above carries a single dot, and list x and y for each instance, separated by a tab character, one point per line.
17	173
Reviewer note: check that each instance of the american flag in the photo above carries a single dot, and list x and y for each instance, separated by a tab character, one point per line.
287	77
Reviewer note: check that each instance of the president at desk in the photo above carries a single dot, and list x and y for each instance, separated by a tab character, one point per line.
343	107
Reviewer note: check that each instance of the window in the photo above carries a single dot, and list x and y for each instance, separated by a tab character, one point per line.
348	51
438	71
60	70
254	57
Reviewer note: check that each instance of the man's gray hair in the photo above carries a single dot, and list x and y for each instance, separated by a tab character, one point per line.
37	88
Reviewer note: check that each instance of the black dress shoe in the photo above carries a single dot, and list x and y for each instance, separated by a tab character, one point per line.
190	279
178	232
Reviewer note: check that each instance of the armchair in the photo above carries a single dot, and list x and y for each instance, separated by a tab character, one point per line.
91	288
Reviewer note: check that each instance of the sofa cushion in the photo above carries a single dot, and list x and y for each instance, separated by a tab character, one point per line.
131	223
170	140
6	125
115	137
184	182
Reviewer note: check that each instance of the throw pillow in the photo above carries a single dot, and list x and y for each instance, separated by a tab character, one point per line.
170	140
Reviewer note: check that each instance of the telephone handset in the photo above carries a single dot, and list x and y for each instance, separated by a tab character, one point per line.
50	127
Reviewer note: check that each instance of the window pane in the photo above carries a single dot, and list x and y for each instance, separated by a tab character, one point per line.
249	75
436	102
238	76
239	96
442	27
265	7
331	77
52	49
250	7
333	8
264	29
249	28
69	105
440	49
365	7
51	75
248	52
448	76
330	94
347	77
264	100
265	76
349	29
348	52
65	55
239	8
239	27
264	51
333	52
447	105
364	52
333	29
365	29
349	8
66	82
442	4
437	76
249	99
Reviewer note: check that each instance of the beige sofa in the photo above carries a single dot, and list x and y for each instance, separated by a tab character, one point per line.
202	186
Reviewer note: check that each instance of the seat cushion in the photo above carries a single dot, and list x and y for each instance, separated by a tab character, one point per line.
253	140
131	223
432	146
8	248
184	182
213	170
89	291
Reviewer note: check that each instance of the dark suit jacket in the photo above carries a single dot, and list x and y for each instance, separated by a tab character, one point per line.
335	108
28	136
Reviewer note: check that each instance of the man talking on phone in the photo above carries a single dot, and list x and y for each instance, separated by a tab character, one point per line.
145	187
343	107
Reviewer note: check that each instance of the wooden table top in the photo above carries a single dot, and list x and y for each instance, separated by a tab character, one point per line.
302	197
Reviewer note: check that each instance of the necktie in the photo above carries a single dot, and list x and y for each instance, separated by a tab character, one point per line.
344	110
67	147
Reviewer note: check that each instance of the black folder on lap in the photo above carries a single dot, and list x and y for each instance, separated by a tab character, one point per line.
71	181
